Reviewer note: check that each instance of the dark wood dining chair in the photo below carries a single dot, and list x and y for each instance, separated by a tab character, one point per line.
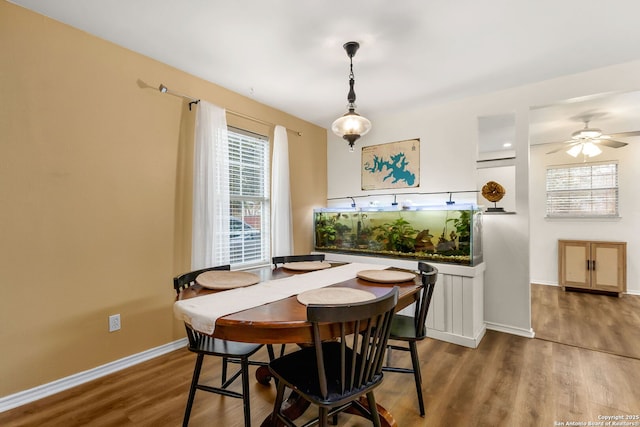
338	369
229	351
411	329
278	260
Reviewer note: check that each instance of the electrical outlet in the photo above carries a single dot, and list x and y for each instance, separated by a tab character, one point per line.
114	322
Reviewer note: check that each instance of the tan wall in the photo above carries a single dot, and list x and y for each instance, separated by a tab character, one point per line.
95	176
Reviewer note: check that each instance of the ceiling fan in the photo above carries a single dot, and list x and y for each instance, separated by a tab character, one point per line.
587	141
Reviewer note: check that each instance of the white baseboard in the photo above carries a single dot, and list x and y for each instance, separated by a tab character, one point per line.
23	397
457	339
542	282
527	333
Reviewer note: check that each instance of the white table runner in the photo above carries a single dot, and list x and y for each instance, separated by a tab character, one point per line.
202	312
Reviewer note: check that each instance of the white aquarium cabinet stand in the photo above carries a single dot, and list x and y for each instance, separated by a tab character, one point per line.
456	314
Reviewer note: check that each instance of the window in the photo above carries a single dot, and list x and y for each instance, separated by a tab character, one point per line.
585	190
249	197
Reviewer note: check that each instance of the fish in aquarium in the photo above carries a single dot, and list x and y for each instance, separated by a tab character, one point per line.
402	234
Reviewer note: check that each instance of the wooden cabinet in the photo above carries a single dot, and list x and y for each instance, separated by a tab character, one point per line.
600	266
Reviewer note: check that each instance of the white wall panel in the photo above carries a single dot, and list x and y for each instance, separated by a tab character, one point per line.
455	314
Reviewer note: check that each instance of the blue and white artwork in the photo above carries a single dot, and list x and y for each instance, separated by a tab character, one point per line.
392	165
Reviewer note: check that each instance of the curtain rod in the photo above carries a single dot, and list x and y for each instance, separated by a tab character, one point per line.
163	89
264	122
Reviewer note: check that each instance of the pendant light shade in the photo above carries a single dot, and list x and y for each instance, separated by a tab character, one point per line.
351	126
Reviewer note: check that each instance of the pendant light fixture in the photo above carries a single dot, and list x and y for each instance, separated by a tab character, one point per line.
352	125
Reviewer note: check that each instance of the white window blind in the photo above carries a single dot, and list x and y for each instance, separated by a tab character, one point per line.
585	190
249	197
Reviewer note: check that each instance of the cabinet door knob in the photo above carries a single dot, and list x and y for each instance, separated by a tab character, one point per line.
588	265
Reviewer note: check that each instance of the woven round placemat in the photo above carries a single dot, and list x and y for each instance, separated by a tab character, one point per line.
306	265
334	295
221	279
386	276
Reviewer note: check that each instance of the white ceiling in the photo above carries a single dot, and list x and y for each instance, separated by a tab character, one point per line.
612	113
289	55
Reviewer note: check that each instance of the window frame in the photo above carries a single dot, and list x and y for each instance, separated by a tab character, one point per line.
240	201
583	191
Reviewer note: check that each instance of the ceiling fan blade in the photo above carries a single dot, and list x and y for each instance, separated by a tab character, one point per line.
563	147
556	142
611	143
624	134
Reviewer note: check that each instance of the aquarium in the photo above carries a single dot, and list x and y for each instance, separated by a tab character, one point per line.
445	234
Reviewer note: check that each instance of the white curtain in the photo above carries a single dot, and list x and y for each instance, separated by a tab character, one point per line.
281	224
210	236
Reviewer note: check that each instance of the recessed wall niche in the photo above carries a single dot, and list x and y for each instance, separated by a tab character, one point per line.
496	156
496	135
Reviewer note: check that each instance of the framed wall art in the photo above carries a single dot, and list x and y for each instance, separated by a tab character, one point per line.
391	165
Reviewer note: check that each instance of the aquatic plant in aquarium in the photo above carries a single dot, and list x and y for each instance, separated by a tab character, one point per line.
446	234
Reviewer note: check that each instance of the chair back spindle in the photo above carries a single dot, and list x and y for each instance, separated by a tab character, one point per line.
360	347
429	276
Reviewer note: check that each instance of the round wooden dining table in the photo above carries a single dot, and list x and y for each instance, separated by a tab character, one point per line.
285	322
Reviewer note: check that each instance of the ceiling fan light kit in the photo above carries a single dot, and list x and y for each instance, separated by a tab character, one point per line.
351	126
589	149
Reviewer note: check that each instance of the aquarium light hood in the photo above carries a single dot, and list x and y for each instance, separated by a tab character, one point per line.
377	208
375	205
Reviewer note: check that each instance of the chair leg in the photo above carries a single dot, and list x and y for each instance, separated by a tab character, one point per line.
373	408
278	403
224	370
244	365
192	389
323	417
417	375
270	352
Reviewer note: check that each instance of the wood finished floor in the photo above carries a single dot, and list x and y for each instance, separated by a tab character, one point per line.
506	381
594	321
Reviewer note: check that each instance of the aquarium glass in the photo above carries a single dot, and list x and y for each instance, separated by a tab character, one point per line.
445	234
